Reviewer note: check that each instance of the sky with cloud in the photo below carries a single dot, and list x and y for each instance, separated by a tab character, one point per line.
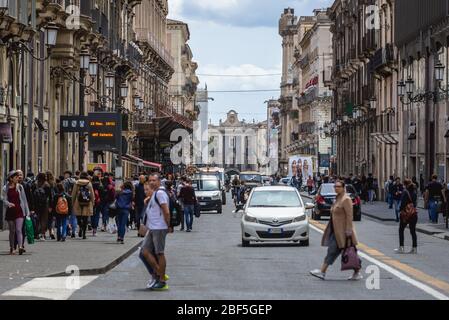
238	37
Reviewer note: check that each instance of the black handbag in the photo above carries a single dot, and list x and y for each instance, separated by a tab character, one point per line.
197	210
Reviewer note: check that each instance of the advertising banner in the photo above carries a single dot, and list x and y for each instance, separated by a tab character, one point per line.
96	166
300	166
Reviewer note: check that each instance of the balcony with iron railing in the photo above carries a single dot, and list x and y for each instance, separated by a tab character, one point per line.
307	127
383	59
143	35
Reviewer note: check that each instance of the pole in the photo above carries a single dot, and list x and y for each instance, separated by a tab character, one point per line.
30	110
22	110
41	101
81	113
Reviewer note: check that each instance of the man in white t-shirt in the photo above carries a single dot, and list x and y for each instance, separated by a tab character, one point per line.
157	220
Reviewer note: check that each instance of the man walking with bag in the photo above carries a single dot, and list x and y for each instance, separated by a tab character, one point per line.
158	224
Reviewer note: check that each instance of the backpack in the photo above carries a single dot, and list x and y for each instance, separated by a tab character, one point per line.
174	208
40	197
62	205
84	196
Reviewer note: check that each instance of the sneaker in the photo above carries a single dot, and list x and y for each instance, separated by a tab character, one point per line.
188	230
317	273
399	250
159	286
52	237
73	236
151	283
355	277
122	241
413	251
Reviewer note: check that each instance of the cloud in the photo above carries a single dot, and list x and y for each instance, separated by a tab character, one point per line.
248	13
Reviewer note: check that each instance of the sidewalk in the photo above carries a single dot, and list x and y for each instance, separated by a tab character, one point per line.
379	210
95	255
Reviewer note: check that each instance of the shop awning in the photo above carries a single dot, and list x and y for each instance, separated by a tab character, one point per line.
141	162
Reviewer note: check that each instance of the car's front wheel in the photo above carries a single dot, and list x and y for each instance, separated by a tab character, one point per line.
245	243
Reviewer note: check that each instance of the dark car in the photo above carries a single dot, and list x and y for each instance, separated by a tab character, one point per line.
325	197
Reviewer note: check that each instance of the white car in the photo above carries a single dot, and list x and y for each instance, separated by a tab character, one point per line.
273	214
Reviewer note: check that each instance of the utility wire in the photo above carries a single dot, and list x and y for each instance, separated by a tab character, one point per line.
240	75
244	91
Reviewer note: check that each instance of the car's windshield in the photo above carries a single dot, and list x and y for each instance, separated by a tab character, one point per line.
206	185
327	188
251	177
281	199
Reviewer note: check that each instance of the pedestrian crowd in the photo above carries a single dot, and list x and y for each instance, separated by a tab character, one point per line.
45	208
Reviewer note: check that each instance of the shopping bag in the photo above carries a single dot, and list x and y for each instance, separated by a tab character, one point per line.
29	230
349	258
112	228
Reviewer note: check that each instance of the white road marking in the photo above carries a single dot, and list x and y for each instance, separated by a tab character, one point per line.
54	288
434	293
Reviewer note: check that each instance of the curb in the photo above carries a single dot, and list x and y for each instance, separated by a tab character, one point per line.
103	270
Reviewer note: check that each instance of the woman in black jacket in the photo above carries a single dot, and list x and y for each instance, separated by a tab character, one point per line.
409	195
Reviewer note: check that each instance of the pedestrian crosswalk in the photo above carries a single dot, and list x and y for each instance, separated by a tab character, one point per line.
52	288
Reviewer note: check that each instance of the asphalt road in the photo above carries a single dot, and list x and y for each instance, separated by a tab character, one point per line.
210	263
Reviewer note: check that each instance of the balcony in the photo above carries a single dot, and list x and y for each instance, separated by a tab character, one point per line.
369	44
308	97
145	36
306	128
383	60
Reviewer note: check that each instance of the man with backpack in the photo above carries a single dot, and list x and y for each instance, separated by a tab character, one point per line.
157	220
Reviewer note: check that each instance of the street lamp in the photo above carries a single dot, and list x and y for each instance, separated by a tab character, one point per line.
93	66
409	84
84	59
51	33
401	88
109	80
124	90
4	5
373	104
136	101
439	72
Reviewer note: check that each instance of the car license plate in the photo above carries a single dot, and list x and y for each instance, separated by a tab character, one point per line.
203	203
275	231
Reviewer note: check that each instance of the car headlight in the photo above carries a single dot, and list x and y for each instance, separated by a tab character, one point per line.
216	196
250	219
300	218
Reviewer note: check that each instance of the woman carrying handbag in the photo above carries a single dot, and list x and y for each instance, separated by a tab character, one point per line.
340	236
409	216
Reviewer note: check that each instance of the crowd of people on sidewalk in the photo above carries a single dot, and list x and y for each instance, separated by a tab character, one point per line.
45	208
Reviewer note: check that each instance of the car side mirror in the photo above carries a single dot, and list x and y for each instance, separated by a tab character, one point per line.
309	206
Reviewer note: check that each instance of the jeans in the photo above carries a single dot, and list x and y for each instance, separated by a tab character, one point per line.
397	208
371	195
15	232
73	222
104	213
122	220
189	209
433	214
96	217
61	226
390	200
412	226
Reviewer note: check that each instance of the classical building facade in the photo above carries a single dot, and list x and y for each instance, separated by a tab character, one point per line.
184	82
237	145
306	103
102	50
353	88
423	75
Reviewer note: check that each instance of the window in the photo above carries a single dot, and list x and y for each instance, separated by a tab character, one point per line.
281	199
